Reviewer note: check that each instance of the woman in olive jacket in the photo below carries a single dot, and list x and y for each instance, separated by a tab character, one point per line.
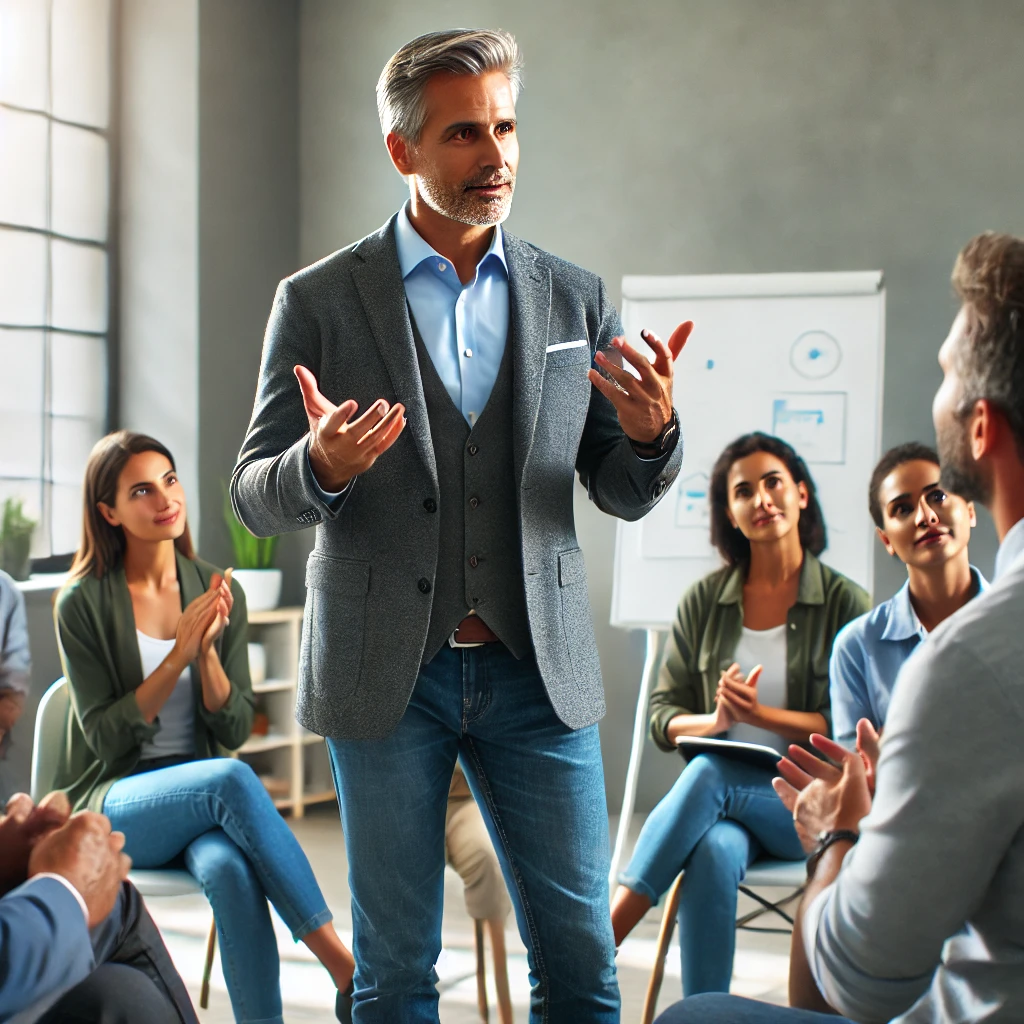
747	660
153	645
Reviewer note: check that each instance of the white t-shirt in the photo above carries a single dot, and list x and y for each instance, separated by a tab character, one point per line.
765	647
177	716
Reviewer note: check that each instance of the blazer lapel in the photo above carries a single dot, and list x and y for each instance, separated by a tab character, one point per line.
529	290
378	280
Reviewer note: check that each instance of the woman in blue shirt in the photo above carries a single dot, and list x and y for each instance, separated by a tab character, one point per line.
927	528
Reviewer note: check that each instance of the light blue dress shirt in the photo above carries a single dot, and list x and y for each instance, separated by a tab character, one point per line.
867	656
463	326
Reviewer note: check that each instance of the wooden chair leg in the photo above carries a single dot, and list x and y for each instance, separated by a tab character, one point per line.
211	948
481	973
499	956
668	924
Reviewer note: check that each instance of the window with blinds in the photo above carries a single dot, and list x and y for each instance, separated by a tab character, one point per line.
55	216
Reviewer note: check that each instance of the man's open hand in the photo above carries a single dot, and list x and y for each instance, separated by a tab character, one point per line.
820	796
645	405
89	855
341	448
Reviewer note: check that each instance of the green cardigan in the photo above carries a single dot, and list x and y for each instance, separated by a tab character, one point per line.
708	626
99	650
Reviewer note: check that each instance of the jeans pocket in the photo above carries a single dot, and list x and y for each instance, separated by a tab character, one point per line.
334	627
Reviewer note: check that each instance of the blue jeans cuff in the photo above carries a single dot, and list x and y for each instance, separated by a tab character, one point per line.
311	925
638	885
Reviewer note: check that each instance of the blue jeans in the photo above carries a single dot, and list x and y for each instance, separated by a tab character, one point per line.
541	789
237	846
715	821
721	1009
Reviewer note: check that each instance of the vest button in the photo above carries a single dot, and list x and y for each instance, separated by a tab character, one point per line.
473	502
474	561
473	449
424	585
430	505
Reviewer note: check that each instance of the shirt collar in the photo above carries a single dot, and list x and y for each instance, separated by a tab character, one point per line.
413	249
1011	548
903	623
811	590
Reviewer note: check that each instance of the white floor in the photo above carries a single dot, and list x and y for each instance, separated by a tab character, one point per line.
760	966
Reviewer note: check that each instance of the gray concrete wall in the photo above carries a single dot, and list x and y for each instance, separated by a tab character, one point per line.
702	136
248	235
158	229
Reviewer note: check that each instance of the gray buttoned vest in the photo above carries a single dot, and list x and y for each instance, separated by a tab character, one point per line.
479	560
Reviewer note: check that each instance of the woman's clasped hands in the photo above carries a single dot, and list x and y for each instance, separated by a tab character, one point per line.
736	697
205	618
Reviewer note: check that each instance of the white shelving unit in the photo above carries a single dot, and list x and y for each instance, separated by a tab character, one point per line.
294	758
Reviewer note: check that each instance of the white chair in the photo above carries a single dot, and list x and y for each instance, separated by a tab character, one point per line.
766	873
49	740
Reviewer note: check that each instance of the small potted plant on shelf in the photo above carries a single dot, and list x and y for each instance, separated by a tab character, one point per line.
254	561
15	539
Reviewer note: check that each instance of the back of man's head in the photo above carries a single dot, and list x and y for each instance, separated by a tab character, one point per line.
988	277
459	51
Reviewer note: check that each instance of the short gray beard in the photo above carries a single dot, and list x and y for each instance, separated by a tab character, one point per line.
455	203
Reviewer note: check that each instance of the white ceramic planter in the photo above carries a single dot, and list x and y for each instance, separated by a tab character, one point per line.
257	663
262	588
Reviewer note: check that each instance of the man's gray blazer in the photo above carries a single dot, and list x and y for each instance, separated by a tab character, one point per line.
346	319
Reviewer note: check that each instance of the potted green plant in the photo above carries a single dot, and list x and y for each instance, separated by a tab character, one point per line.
254	563
15	539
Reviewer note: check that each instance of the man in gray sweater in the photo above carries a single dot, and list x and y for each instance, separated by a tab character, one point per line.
915	914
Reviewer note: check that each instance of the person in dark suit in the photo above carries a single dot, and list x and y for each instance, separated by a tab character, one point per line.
449	390
76	942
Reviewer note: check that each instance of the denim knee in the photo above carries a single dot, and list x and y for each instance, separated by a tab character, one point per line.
221	868
233	779
718	857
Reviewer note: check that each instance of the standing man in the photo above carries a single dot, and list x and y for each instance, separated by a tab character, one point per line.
914	907
447	396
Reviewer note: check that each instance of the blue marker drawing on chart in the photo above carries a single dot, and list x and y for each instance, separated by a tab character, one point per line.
814	424
815	354
692	502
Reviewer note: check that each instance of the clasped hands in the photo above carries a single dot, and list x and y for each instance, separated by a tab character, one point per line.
204	620
823	796
48	838
736	698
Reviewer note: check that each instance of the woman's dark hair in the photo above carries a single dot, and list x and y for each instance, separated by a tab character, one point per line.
912	451
730	542
102	546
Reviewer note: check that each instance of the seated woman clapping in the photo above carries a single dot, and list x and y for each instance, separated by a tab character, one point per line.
153	644
747	660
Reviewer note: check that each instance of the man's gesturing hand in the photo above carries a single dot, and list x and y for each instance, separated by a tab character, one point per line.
822	797
341	448
645	405
88	855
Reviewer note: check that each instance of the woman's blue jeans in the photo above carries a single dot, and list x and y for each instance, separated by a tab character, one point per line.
715	821
237	846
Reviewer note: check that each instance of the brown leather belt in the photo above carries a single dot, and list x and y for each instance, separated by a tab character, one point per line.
472	631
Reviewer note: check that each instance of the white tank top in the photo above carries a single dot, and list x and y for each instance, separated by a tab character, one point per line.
765	647
177	716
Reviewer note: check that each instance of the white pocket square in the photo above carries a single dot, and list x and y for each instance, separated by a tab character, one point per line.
567	344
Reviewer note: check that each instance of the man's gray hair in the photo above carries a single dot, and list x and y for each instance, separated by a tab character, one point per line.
459	51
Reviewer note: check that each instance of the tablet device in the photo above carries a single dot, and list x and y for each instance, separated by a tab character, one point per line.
749	753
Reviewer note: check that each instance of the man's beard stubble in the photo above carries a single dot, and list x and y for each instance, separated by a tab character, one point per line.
959	472
463	207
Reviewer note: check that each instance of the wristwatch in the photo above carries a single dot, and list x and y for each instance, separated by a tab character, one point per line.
661	444
825	840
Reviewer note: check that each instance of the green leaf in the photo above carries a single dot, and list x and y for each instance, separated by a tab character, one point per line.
250	552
